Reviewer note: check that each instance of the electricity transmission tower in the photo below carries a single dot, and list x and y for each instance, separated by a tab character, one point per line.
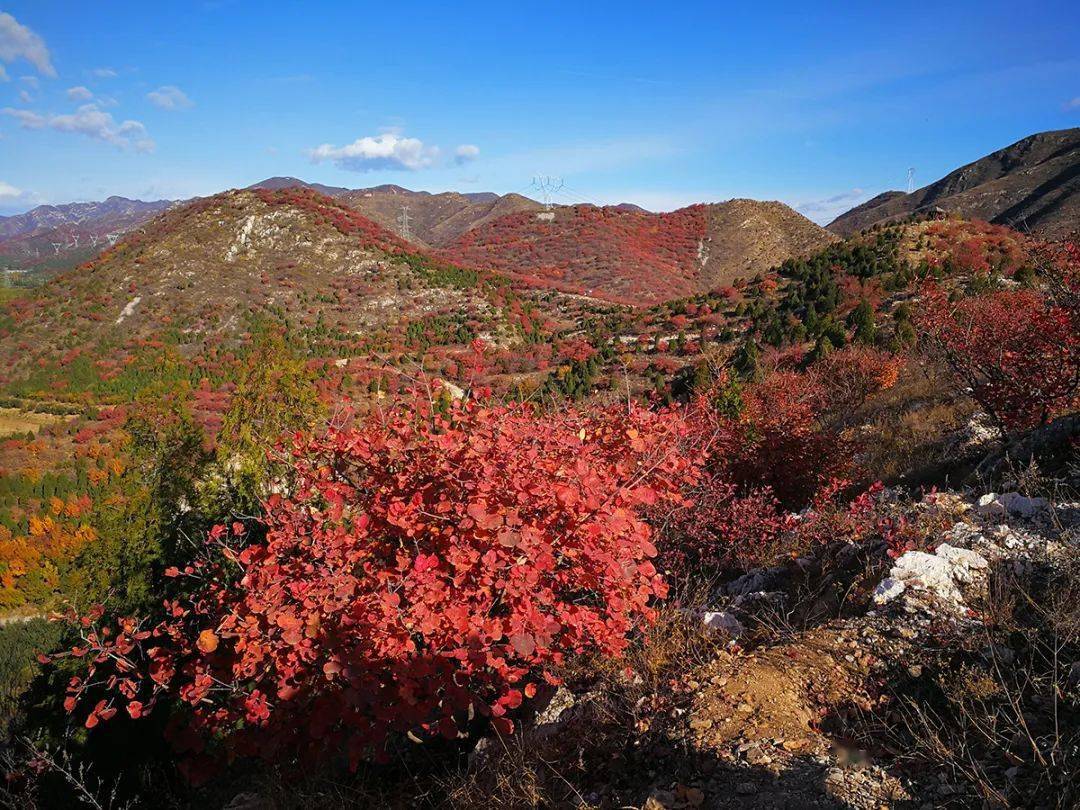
547	186
910	180
403	220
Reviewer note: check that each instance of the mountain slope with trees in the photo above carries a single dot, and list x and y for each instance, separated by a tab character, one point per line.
1032	185
638	257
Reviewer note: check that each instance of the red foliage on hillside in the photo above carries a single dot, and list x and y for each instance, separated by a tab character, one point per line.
623	255
1017	351
346	220
773	448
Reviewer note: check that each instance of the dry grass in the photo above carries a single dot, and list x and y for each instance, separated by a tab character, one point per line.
995	708
908	428
15	421
605	739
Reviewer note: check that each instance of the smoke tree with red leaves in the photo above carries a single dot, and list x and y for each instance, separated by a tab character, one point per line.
424	568
773	447
1018	351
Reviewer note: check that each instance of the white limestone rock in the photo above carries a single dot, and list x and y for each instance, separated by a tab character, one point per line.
722	622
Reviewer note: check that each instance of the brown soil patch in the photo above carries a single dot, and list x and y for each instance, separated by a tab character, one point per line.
777	694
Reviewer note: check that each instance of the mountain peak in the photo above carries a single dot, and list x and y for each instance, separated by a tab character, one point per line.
1033	185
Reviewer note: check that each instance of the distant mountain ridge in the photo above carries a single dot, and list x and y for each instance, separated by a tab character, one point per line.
1032	185
212	267
60	236
434	219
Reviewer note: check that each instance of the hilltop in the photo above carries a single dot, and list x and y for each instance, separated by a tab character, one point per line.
204	275
621	253
434	219
634	256
1032	185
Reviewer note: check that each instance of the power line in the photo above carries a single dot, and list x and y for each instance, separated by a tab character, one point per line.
578	196
547	186
910	180
403	221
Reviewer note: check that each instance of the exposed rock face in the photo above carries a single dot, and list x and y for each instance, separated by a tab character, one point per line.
939	576
1011	503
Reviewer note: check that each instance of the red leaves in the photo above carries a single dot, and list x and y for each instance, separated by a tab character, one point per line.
422	565
425	562
484	520
523	644
101	711
1017	350
775	453
632	256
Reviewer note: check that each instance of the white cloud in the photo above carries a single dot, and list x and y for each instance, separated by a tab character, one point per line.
12	198
26	118
79	93
3	75
1072	104
19	42
25	97
31	81
103	73
387	151
91	121
465	153
170	97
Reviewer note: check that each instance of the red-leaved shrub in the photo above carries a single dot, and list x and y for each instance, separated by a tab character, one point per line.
1016	350
422	568
772	448
781	440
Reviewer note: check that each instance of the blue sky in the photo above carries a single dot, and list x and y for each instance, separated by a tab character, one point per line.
818	105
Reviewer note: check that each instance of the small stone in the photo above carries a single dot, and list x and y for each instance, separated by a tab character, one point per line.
700	723
1023	506
915	671
723	623
755	756
888	590
745	788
